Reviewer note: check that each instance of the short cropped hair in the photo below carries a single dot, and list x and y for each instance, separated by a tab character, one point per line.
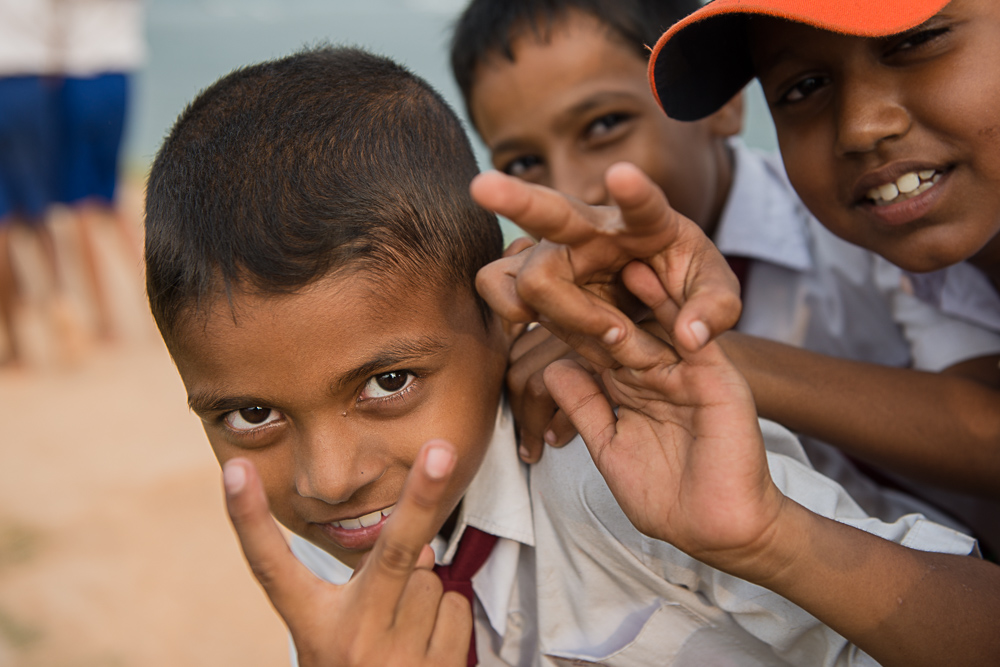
489	27
284	172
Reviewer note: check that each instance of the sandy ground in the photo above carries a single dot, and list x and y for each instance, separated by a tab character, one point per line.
115	549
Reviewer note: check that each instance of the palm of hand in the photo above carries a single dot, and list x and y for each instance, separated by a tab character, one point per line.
684	457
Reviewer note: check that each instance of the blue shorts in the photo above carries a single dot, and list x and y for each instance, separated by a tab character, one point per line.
27	140
91	121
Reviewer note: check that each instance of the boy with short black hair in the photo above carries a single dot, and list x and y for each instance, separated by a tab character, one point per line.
311	247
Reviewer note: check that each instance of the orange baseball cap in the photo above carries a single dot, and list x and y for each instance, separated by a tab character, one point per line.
704	59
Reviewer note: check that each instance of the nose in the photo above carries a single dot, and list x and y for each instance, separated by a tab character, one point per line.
577	178
869	112
331	464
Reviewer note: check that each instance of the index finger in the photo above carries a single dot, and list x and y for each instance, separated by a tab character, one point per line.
287	582
412	525
541	211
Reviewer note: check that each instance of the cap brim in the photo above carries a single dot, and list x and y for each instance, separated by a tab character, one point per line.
702	67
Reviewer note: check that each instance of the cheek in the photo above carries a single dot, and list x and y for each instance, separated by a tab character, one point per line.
685	172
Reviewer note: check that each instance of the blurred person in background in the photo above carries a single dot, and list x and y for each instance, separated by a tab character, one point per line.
99	44
26	173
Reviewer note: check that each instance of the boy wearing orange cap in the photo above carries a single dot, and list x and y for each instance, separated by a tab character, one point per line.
886	115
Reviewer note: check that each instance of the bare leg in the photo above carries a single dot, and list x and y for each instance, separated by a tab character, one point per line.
86	215
63	317
9	294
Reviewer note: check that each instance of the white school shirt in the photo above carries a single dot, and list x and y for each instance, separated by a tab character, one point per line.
100	36
960	290
572	582
26	38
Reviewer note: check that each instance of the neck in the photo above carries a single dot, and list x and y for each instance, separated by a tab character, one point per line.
987	260
724	183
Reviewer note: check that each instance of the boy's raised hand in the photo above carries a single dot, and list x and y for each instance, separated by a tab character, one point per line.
684	455
590	245
392	612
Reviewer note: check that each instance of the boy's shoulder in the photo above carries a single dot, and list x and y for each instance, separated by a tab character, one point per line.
763	218
962	291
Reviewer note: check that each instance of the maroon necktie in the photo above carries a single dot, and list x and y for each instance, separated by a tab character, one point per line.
473	550
740	266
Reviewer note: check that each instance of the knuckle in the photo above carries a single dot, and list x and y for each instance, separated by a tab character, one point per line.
265	573
456	603
427	583
397	558
535	387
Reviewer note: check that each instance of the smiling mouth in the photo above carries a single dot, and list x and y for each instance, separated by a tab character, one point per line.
909	185
366	521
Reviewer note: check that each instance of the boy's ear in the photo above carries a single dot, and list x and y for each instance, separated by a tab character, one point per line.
727	121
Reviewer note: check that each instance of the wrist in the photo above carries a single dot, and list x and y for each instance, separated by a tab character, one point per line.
773	556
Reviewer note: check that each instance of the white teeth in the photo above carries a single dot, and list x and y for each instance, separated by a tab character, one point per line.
366	521
910	184
370	519
888	191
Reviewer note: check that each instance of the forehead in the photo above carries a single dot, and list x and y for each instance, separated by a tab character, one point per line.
773	41
326	330
572	40
577	56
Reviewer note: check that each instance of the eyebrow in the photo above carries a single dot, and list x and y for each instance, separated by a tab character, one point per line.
396	355
583	106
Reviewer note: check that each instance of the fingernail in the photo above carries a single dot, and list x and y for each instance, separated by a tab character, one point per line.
234	478
438	462
550	438
700	331
523	452
612	335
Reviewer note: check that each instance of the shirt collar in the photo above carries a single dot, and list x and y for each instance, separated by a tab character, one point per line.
762	218
497	500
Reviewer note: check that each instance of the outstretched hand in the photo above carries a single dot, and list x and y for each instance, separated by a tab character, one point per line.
393	611
684	455
589	245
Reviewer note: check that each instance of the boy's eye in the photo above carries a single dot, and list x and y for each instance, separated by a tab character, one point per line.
386	384
915	40
605	124
518	167
803	89
248	419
